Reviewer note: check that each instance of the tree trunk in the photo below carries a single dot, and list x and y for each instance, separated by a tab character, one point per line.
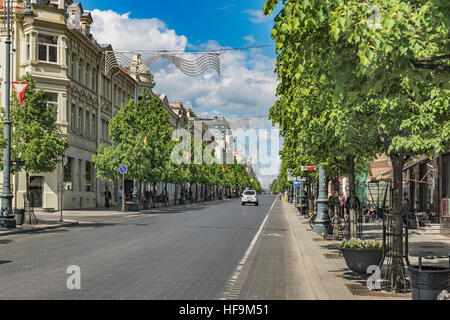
398	161
154	195
352	196
310	198
334	205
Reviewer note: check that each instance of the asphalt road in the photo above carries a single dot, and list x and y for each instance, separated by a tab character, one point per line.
206	252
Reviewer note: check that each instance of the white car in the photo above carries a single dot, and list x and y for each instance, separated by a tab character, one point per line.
249	196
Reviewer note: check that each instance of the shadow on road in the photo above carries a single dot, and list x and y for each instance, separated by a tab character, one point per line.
96	224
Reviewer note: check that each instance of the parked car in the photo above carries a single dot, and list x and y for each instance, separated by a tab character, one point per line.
249	196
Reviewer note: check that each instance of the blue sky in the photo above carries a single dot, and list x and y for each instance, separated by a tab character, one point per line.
246	87
228	22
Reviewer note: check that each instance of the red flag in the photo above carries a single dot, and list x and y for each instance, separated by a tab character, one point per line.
20	88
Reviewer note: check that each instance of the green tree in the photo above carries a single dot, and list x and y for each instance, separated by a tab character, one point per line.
141	139
35	138
391	67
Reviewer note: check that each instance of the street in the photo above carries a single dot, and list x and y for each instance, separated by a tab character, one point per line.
207	252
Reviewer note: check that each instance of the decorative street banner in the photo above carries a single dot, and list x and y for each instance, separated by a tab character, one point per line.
20	88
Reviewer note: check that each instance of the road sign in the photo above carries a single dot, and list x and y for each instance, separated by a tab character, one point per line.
223	169
308	168
296	184
123	169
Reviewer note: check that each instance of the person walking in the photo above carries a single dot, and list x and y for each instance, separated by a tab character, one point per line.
406	210
107	197
120	193
165	197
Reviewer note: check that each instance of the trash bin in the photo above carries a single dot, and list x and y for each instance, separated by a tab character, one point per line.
429	282
20	216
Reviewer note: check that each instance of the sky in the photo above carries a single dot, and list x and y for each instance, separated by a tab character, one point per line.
246	86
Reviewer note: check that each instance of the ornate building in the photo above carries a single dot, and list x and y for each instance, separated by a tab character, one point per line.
60	52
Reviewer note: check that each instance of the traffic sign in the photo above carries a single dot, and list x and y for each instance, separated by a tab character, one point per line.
223	169
296	184
308	168
123	169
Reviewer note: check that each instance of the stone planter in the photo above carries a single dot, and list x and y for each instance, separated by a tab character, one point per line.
428	282
359	259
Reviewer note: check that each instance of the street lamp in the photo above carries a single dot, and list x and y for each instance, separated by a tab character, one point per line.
28	15
7	218
322	220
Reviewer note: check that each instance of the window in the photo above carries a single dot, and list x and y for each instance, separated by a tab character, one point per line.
93	74
73	118
88	176
94	126
28	51
86	77
68	176
80	164
51	98
80	119
87	127
103	129
47	48
72	66
80	71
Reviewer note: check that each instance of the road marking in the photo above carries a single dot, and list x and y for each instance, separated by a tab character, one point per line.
234	292
273	235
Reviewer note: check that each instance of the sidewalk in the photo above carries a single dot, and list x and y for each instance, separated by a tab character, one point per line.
46	224
330	277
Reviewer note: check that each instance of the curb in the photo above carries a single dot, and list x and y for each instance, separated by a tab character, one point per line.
18	231
316	282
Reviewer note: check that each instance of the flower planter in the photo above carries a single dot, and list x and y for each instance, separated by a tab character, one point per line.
427	283
359	259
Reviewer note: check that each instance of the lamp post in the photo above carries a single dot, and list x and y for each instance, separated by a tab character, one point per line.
7	218
322	220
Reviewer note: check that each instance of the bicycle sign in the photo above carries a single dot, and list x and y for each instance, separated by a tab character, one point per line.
123	169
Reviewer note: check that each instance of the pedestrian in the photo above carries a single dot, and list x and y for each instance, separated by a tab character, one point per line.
406	210
186	195
107	197
120	193
164	195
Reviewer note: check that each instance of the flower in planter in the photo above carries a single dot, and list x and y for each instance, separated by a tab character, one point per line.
361	244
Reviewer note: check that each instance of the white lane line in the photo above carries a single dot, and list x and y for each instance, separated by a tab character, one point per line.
237	272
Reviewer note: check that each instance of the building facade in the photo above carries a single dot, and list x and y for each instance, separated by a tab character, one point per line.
67	62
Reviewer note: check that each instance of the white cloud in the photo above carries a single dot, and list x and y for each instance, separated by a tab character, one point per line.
246	86
125	33
257	16
250	39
